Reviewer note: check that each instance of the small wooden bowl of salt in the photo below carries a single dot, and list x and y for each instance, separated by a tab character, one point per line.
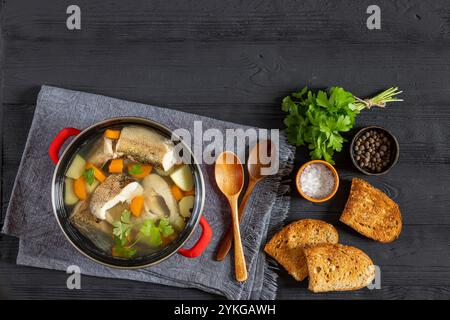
317	181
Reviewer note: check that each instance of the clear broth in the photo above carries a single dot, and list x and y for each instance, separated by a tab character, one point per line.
156	203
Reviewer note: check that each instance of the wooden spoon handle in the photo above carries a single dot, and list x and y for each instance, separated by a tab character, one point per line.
225	244
239	258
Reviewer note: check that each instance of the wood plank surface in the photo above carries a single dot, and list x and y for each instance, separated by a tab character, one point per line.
235	60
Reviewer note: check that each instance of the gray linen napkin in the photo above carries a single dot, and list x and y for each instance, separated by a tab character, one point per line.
42	244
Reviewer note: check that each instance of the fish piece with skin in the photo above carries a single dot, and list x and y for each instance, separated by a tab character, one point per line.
115	189
146	146
98	231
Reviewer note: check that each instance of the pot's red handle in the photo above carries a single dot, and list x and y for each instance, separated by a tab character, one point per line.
61	137
201	244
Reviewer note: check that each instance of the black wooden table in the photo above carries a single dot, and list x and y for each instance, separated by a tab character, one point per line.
235	60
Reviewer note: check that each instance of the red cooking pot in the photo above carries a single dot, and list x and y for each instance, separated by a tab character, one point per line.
83	244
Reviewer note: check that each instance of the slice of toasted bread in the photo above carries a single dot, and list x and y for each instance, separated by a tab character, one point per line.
372	213
286	247
335	267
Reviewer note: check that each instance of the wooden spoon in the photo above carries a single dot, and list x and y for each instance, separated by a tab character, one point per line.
229	174
254	166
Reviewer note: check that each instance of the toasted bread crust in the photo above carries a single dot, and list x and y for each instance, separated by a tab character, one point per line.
372	213
286	247
335	267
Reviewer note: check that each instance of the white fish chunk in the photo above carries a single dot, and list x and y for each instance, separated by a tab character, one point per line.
101	152
156	205
146	146
115	189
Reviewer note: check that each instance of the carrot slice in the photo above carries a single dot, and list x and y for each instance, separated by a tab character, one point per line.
176	192
136	206
79	188
144	169
116	166
190	192
112	134
98	174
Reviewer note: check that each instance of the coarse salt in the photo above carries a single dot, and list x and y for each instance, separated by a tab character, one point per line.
317	181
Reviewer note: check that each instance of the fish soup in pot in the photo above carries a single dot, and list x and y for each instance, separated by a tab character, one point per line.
123	196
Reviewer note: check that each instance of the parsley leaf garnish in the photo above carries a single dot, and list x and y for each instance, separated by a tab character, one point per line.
122	227
165	228
89	176
122	250
150	230
153	232
122	230
317	119
135	169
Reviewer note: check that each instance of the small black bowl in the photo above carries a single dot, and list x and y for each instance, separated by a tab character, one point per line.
394	148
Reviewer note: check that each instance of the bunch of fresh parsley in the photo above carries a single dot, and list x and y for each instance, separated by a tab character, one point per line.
318	119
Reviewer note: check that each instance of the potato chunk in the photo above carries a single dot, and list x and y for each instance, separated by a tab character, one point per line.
69	195
76	168
182	177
